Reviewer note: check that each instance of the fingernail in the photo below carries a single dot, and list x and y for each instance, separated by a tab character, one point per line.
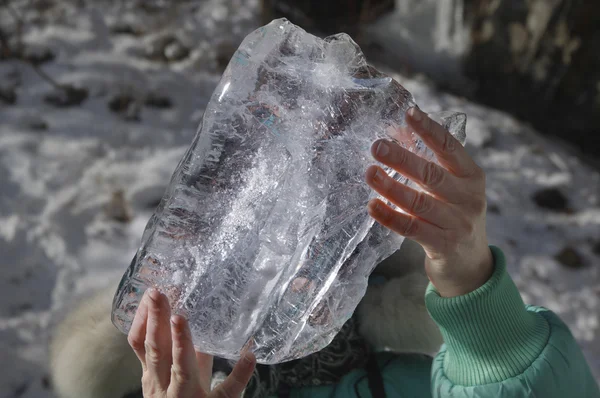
415	114
382	149
153	294
378	177
374	206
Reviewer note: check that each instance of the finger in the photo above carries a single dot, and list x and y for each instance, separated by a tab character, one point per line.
205	364
158	340
234	384
430	176
449	152
137	332
404	224
416	203
185	371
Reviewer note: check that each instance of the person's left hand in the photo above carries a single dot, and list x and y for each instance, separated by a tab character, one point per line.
171	367
448	218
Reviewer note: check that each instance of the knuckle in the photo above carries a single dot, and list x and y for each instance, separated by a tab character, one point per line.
385	219
420	204
410	227
180	375
432	175
387	187
156	311
383	214
237	382
449	143
399	157
135	343
153	354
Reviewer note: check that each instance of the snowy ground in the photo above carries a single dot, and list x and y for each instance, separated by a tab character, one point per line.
78	183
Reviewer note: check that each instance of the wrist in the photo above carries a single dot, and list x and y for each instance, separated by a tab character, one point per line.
457	277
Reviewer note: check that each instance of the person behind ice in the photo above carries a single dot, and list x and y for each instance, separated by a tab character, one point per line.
493	344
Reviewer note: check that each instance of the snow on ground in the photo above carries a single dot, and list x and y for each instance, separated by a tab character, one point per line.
78	183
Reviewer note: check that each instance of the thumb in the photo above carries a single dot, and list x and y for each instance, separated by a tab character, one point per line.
236	382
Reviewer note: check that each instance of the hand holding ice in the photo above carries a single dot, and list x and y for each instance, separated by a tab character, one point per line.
262	236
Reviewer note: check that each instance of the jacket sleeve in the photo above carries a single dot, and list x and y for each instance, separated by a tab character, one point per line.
495	346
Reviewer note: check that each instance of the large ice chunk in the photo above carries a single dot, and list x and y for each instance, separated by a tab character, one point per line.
262	236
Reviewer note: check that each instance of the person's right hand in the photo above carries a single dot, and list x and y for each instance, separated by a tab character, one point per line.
448	217
171	366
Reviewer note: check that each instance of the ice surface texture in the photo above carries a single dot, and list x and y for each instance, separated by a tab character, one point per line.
263	236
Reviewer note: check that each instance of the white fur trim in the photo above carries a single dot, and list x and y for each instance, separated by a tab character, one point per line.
408	259
89	357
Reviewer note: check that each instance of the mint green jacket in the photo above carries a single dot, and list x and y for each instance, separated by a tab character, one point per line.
495	346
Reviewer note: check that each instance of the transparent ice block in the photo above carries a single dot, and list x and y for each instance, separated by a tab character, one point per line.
262	237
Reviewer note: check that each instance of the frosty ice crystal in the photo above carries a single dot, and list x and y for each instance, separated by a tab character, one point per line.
262	236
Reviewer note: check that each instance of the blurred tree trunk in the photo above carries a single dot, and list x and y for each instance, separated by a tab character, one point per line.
540	60
327	16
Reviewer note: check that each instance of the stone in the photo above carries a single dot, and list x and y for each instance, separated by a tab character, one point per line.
262	238
124	28
67	96
155	49
570	258
125	105
117	208
551	199
166	48
38	125
176	51
154	100
494	209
